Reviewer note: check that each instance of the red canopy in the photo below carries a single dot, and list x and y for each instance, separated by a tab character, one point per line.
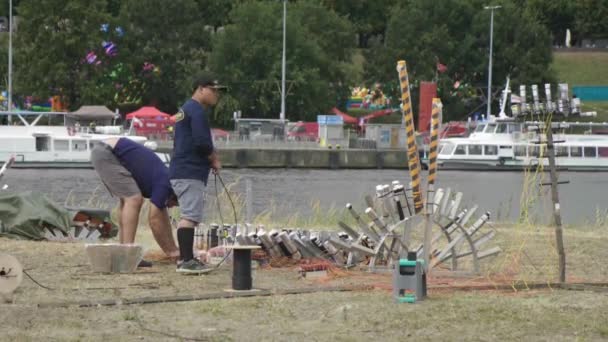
148	112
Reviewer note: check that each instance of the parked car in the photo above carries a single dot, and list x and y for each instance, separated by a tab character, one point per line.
303	131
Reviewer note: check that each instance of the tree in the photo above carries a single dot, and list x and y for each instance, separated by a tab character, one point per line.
591	19
51	44
456	34
247	55
168	35
369	18
556	15
215	13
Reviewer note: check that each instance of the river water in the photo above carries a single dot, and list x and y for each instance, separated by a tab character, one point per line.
583	200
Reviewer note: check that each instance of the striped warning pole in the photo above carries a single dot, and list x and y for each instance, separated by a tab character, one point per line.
430	194
433	150
412	149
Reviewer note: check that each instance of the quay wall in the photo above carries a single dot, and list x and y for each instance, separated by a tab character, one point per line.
238	157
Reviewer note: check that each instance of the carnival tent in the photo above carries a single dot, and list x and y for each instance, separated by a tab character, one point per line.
148	112
85	114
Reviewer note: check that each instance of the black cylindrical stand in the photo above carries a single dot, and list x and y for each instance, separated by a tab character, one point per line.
241	273
212	237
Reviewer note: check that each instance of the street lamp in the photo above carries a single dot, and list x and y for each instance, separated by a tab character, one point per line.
10	59
283	61
491	8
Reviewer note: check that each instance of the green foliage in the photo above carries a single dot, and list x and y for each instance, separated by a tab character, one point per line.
369	18
247	55
55	36
457	35
176	44
591	18
52	44
556	15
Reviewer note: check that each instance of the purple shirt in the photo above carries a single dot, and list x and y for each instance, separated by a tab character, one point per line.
147	169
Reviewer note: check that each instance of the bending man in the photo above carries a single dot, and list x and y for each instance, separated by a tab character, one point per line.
133	172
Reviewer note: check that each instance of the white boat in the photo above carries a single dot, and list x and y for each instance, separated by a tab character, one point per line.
47	146
510	145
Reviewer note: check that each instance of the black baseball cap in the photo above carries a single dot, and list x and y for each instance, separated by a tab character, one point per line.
207	79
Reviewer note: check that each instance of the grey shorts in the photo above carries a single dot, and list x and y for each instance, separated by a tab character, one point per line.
116	178
190	196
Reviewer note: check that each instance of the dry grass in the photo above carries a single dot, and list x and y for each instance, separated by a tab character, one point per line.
368	315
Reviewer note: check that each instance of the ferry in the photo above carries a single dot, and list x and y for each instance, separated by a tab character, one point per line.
506	144
52	146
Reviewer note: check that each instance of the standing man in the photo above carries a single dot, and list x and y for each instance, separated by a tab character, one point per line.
193	157
133	172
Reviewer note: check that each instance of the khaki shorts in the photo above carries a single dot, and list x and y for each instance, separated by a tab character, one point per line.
116	178
191	198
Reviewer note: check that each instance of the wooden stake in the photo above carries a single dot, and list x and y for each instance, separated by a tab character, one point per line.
556	206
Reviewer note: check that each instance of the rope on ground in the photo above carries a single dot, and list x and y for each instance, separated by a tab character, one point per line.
36	282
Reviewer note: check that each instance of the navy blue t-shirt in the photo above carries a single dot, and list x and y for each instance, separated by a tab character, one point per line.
148	170
192	144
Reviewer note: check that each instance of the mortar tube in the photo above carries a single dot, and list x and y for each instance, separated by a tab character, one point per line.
376	220
311	246
398	190
388	209
269	245
253	239
370	233
212	236
198	238
291	247
302	248
284	249
334	253
379	188
399	209
281	246
241	240
319	244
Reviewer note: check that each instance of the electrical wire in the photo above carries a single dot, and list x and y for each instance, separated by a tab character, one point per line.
36	282
217	201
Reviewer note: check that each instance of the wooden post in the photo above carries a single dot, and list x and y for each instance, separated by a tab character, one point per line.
557	218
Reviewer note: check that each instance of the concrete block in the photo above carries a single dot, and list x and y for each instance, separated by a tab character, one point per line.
114	258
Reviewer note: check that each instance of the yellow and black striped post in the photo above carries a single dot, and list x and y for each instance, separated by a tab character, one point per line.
434	146
412	149
430	195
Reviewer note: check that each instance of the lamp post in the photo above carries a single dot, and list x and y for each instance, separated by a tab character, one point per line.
10	59
283	61
491	8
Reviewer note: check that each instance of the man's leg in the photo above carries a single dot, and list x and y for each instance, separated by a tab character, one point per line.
185	238
190	195
121	184
121	207
130	217
161	229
